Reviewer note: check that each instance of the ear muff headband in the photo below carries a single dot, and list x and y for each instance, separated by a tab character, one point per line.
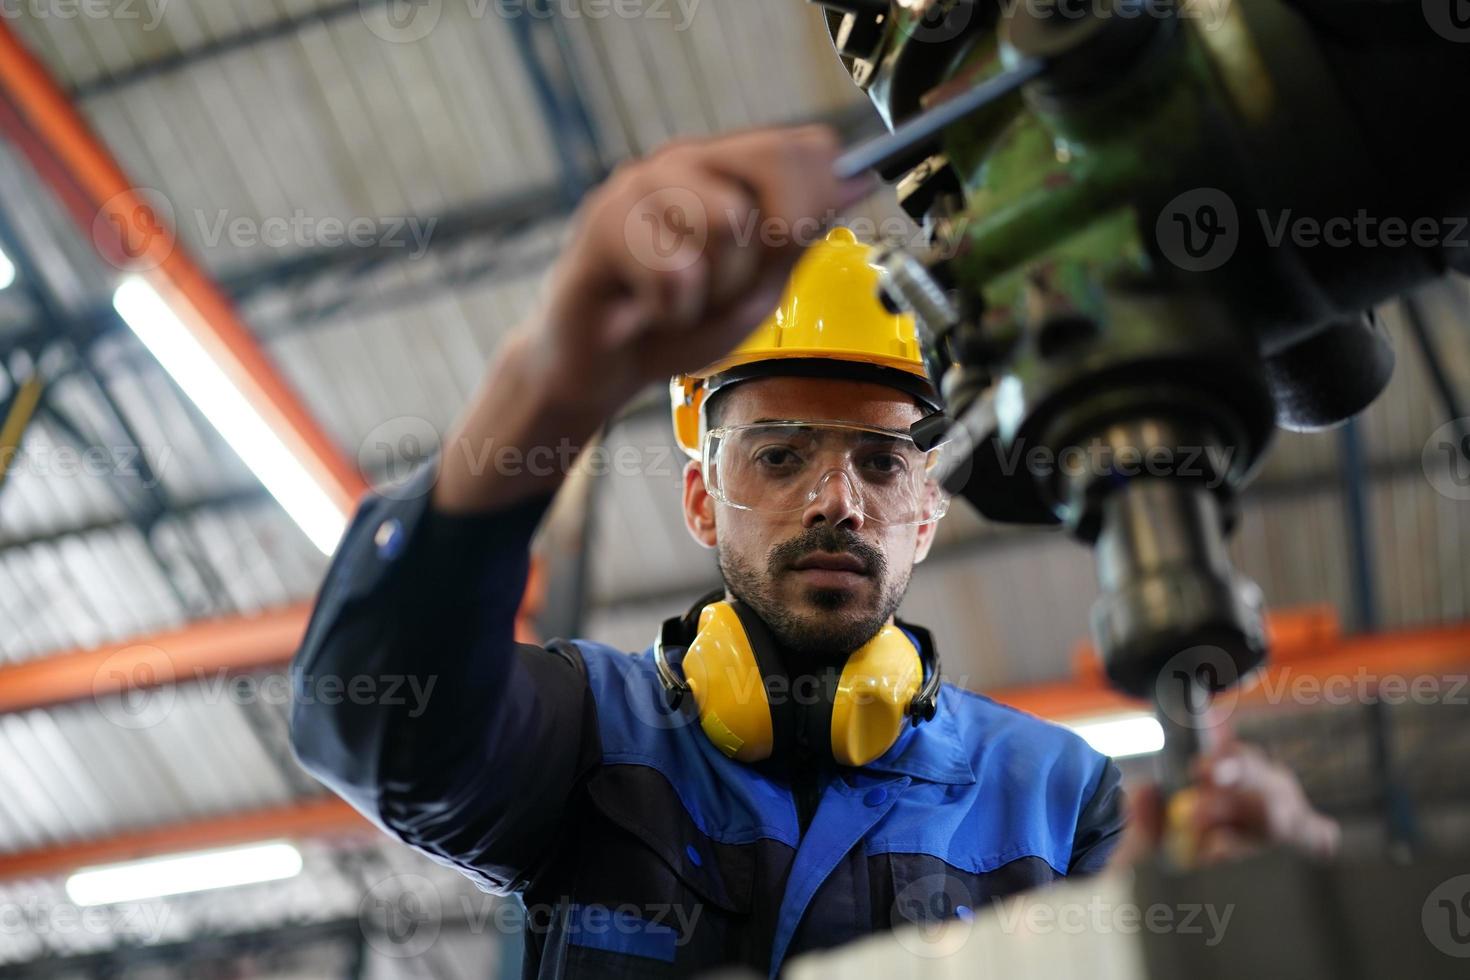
730	655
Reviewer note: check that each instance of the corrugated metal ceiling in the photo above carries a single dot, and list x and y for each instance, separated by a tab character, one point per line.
325	119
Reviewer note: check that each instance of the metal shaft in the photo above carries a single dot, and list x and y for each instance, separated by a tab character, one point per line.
891	147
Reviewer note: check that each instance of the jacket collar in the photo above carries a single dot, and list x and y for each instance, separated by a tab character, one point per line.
934	751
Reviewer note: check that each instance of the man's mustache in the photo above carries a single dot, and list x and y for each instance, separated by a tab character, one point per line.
831	539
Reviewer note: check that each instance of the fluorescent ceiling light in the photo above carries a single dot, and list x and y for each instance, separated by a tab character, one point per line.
229	411
7	270
1122	735
179	873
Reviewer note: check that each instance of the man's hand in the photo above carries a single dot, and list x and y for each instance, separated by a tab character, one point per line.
669	265
676	258
1240	802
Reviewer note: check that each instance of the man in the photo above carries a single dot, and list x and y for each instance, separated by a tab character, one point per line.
813	784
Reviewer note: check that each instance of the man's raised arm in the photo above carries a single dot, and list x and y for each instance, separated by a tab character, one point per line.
446	732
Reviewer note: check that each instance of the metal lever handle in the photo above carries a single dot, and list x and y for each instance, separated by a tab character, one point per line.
890	147
872	8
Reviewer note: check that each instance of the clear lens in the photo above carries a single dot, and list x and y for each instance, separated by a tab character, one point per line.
783	466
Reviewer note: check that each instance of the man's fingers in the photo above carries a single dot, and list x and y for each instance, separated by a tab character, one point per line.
676	257
1224	844
790	174
740	209
676	248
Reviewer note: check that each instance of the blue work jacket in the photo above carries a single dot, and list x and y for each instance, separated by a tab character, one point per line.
557	773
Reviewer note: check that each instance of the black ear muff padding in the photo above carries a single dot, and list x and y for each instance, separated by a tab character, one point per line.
679	631
813	700
925	704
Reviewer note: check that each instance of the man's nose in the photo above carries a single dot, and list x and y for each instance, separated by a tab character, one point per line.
836	502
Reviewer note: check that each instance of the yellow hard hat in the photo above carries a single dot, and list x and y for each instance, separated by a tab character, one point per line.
829	323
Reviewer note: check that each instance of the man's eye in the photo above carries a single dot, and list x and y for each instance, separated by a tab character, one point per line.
887	463
777	457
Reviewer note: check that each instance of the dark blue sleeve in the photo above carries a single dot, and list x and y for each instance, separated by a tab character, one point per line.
413	701
1100	825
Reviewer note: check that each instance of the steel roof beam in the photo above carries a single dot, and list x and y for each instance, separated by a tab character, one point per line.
39	118
321	817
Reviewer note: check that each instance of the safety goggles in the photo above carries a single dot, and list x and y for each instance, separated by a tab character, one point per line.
783	466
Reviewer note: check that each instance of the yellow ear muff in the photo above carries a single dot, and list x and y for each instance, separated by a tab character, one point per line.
870	707
727	686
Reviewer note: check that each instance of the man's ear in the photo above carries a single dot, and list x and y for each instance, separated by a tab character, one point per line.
925	540
699	506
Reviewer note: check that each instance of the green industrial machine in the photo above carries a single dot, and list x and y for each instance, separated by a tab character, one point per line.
1154	232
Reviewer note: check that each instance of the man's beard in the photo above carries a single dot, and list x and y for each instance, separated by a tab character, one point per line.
828	639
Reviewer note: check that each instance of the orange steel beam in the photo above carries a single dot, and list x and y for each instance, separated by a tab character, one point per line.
1313	662
199	650
130	233
1308	647
1434	652
326	817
